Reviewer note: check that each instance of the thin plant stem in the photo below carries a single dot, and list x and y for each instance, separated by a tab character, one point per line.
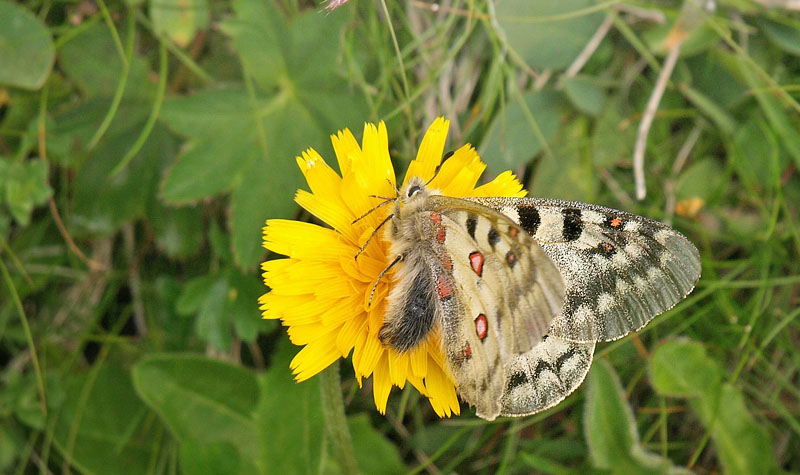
28	336
335	420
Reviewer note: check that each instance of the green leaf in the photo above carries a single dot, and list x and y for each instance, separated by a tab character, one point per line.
290	420
785	35
245	142
11	443
26	48
178	231
585	94
243	305
516	135
263	193
755	154
613	137
103	203
218	458
547	34
92	61
610	428
24	186
681	368
566	173
704	179
785	125
111	432
191	298
213	321
374	453
179	19
202	400
222	147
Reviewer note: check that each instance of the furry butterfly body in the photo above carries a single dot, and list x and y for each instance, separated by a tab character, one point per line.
523	288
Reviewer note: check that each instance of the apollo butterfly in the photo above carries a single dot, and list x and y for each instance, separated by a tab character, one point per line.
523	288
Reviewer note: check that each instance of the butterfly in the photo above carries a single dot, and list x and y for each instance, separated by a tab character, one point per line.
523	288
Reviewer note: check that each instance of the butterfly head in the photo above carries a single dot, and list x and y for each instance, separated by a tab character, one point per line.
415	191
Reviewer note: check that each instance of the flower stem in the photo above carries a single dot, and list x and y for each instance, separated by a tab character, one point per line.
335	420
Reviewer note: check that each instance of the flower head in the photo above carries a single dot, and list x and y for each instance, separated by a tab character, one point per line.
322	293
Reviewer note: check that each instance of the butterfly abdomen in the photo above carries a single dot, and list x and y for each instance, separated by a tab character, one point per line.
412	309
413	304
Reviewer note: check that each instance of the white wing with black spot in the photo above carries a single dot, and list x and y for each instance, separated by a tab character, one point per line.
545	375
620	269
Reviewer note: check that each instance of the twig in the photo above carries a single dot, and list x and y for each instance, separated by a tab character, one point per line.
614	187
655	16
93	265
590	48
134	279
674	48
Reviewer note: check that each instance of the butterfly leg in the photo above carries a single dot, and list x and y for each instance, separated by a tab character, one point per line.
380	276
374	233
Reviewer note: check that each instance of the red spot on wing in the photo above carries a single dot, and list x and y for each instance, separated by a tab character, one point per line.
616	222
447	263
440	235
476	261
443	288
436	218
467	352
513	231
481	326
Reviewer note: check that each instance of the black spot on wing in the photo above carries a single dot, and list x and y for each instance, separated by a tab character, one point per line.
529	219
573	225
493	236
472	223
516	380
511	259
564	358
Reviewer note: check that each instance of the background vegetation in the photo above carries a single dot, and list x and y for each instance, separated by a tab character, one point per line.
143	144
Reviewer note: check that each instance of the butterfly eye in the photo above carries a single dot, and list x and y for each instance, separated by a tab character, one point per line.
413	190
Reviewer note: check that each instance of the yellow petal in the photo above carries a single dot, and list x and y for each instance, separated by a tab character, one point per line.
377	174
338	217
430	151
342	311
381	384
349	333
295	277
419	360
364	361
346	147
314	357
398	368
304	240
459	173
505	184
321	178
442	393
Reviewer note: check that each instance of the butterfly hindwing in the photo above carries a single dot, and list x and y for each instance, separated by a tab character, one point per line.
506	293
545	375
620	269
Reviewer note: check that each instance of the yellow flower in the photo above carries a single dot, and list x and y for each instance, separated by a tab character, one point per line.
322	293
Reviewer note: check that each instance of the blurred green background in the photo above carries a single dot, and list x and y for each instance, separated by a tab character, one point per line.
143	143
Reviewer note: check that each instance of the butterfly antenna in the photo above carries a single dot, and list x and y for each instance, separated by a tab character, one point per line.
388	200
380	276
439	167
374	233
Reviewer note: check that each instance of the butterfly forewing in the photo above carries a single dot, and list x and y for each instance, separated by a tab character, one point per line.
620	270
